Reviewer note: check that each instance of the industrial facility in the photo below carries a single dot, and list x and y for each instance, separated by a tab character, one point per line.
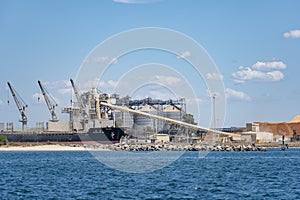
95	112
97	116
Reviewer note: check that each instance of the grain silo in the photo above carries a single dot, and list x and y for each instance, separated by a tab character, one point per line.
142	123
123	119
171	112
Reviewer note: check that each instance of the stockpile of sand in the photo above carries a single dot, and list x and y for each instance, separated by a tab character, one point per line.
280	128
296	119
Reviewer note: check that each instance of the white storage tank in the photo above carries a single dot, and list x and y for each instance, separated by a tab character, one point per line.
171	112
143	123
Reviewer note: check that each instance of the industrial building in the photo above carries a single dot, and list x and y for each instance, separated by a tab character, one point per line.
257	137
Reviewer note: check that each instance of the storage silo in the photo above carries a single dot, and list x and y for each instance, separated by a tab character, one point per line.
143	123
171	112
123	119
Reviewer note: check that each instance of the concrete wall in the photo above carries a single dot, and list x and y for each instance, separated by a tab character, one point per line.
264	137
248	137
257	137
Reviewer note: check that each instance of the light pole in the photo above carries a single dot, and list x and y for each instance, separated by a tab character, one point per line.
214	111
216	136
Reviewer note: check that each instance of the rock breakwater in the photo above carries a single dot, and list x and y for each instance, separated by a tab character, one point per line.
178	147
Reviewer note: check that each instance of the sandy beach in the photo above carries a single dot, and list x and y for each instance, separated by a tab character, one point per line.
55	147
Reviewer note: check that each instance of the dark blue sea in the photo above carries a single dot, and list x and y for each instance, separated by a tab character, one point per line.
272	175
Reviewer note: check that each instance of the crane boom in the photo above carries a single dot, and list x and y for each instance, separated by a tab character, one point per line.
22	106
51	106
77	94
79	100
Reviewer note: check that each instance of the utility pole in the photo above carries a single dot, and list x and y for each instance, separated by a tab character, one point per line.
214	111
215	136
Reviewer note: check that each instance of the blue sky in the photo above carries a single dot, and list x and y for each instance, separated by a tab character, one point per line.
255	45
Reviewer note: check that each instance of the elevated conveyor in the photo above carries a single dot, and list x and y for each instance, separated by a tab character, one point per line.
184	124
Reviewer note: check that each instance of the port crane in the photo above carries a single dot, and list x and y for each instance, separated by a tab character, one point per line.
22	106
79	100
50	102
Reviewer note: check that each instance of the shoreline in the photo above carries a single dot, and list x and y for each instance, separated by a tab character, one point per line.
78	146
42	147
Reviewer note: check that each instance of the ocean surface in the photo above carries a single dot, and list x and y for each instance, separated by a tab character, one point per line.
272	175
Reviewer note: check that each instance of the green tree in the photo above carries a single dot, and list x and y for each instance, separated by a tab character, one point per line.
3	140
189	118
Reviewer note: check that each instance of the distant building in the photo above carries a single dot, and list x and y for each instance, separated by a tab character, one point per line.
252	127
289	129
160	138
257	137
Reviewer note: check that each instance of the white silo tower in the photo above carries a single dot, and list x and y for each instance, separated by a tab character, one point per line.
171	112
142	123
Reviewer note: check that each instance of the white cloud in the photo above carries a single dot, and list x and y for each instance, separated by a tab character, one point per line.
161	95
65	91
57	84
214	76
167	80
275	75
292	34
112	83
264	71
105	86
108	84
248	74
237	95
195	101
89	84
37	98
238	81
62	87
184	54
103	59
269	65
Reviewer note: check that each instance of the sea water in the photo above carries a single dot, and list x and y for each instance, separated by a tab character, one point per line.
220	175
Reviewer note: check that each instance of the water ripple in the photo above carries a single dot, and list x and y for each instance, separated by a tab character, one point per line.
221	175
